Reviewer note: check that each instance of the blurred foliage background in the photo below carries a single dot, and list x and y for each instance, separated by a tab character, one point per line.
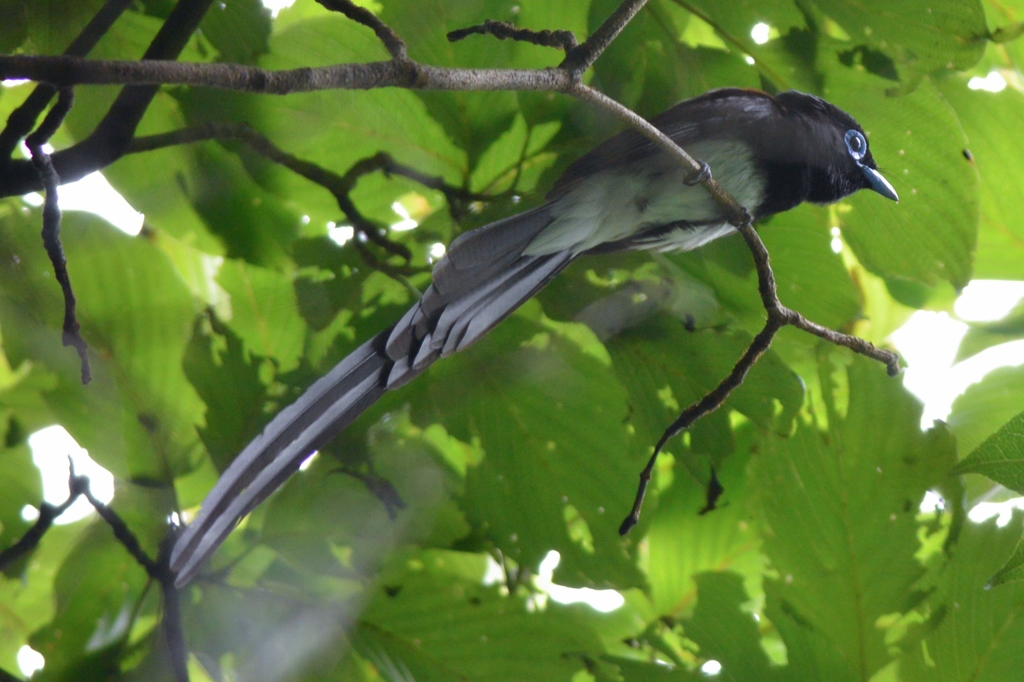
241	289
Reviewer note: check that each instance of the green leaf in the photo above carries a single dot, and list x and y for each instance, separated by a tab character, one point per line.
238	29
983	335
95	591
53	24
917	142
21	485
227	379
1000	457
921	37
994	124
841	510
724	632
736	19
683	543
978	632
440	627
138	416
550	416
662	353
811	277
473	119
28	597
985	406
1012	571
340	127
264	312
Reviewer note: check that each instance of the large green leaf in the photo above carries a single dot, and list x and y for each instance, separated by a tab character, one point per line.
443	627
1000	457
921	37
20	486
264	312
986	406
983	335
724	632
138	416
917	142
979	632
682	542
994	123
472	119
551	418
96	591
337	128
840	508
28	597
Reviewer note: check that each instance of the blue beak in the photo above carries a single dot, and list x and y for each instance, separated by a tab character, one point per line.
880	184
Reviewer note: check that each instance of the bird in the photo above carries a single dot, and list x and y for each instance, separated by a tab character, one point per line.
770	152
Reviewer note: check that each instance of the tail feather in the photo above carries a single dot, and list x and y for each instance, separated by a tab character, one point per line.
285	442
270	478
484	318
483	278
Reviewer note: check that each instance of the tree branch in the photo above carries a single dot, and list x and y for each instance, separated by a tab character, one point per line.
394	45
21	120
51	224
340	186
584	56
504	30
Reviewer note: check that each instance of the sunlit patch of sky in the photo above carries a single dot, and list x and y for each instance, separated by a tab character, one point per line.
406	222
29	660
604	601
760	33
711	668
929	342
993	82
51	449
276	6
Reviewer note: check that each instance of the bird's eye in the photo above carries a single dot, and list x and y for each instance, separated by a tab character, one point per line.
856	144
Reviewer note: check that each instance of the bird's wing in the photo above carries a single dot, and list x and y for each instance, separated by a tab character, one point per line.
481	280
700	118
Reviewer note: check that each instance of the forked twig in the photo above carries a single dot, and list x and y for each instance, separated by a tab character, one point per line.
51	224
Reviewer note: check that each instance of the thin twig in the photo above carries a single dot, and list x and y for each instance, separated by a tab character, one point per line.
504	30
71	335
779	316
174	633
583	57
47	514
709	403
776	79
379	487
392	43
123	534
340	186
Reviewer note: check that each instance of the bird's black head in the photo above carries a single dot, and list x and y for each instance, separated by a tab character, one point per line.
834	147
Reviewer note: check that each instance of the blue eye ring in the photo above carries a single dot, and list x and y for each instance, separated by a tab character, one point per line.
856	145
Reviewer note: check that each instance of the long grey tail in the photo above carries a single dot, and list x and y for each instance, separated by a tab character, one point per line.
483	278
